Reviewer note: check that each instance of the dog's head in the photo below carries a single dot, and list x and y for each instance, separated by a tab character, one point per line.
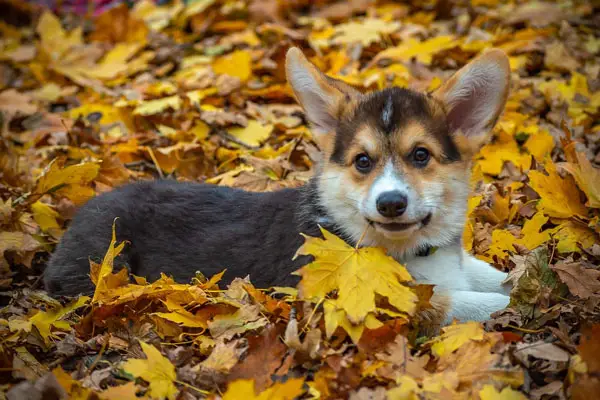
396	163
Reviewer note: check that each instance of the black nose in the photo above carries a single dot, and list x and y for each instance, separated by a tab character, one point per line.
391	204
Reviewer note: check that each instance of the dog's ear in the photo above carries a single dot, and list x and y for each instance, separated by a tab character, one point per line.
321	97
474	97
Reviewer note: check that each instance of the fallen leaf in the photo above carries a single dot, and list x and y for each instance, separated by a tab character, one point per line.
178	314
223	357
54	40
582	281
558	58
266	359
357	274
244	389
106	268
367	31
253	134
559	196
71	182
157	106
422	51
587	178
156	370
245	319
14	102
45	216
238	64
456	335
26	366
489	392
533	236
44	321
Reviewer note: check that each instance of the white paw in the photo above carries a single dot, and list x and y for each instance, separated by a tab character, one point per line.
475	306
483	277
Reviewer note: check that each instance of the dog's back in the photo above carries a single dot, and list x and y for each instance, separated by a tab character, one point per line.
180	228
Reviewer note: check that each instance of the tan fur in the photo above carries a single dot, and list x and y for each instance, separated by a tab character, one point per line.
432	319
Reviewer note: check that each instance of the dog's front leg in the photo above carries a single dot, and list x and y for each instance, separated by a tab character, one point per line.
483	277
462	305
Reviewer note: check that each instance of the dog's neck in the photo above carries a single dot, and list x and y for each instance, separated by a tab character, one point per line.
311	213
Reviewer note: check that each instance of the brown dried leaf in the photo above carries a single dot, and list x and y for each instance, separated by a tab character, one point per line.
582	280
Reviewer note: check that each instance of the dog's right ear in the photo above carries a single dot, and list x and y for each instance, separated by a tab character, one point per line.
321	97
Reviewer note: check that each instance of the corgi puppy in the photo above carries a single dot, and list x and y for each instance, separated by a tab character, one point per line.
395	170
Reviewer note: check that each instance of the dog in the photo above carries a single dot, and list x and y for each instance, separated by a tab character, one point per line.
395	172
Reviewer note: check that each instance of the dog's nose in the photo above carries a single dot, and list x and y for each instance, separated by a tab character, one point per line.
392	204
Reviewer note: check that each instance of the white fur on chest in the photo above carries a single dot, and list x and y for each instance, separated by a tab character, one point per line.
474	287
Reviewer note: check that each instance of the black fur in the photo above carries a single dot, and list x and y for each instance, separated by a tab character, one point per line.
181	228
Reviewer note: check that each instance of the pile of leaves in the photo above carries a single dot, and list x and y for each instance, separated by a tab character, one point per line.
196	91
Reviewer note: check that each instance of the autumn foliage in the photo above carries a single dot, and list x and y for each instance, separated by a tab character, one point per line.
196	91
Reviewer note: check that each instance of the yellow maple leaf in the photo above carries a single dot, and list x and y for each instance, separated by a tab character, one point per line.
156	369
50	92
70	181
335	316
422	51
53	38
446	381
407	389
456	335
489	392
152	107
238	64
156	17
75	390
115	61
244	389
108	114
578	85
532	237
45	216
180	315
200	130
559	196
122	392
587	178
106	267
495	154
160	289
367	31
539	143
357	274
253	134
571	235
502	242
44	321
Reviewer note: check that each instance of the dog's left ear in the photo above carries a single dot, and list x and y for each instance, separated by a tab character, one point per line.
474	97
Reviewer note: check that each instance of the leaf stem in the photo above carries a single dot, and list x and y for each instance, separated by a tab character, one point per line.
98	357
525	330
362	236
155	161
312	313
187	385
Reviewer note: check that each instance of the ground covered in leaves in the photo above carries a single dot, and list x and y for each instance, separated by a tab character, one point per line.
197	91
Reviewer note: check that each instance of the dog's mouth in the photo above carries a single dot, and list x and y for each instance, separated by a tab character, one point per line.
401	226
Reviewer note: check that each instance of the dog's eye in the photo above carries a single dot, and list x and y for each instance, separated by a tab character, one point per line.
421	156
363	163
